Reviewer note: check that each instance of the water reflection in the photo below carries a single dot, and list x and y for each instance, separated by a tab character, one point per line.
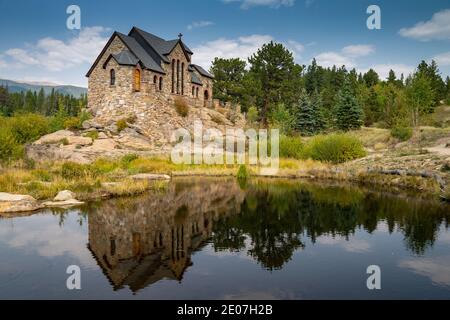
138	242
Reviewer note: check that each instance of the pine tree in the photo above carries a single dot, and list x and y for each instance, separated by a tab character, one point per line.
349	114
304	112
310	119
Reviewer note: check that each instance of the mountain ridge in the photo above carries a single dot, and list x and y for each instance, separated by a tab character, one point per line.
17	86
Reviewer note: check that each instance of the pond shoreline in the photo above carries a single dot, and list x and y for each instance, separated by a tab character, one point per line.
396	184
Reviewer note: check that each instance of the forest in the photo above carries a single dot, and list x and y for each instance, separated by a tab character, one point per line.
275	91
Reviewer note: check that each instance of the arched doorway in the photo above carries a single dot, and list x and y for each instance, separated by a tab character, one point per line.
206	98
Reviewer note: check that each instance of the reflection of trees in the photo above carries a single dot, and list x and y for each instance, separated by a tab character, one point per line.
275	214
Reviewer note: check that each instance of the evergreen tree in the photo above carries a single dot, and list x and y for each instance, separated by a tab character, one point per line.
392	78
228	79
272	70
304	112
349	114
371	78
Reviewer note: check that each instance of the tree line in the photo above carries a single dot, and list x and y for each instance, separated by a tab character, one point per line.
274	90
40	103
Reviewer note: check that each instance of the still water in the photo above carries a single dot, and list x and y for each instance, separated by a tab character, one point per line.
215	239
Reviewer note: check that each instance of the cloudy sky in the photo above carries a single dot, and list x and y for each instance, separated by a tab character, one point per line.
35	44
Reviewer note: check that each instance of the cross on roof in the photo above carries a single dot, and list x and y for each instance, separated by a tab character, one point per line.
180	36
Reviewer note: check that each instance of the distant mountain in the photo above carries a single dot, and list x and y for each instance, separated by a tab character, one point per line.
14	86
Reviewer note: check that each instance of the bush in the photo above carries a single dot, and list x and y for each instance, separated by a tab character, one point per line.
122	124
402	133
127	159
72	123
10	149
334	148
182	107
92	134
27	127
72	170
103	166
291	147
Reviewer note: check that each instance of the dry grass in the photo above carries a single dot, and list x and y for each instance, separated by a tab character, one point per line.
182	107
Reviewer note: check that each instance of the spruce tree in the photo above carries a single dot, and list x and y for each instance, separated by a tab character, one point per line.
349	114
310	119
306	122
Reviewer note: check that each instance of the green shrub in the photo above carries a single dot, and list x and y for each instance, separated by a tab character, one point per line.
334	148
242	176
92	134
72	170
27	128
402	133
103	166
291	147
182	107
122	124
72	123
127	159
10	149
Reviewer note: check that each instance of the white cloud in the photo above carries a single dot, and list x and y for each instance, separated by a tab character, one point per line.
359	50
354	245
242	47
443	59
437	269
438	28
199	24
57	55
246	4
383	69
347	56
329	59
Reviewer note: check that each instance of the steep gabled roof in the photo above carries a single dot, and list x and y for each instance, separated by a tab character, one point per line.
140	53
133	46
162	47
126	58
202	71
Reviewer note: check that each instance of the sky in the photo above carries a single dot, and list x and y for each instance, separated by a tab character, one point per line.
37	46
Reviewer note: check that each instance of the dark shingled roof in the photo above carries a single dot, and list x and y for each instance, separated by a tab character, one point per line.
140	53
195	79
150	51
126	58
202	71
161	46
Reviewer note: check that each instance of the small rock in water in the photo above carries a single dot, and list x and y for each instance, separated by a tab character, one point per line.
146	176
65	196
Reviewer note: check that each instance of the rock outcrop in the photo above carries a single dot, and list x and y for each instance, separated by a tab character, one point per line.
11	203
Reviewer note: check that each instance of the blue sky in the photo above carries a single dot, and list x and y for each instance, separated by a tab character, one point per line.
35	44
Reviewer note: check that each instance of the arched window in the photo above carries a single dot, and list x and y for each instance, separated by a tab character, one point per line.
137	80
112	74
155	79
178	76
193	91
160	84
196	93
173	76
182	78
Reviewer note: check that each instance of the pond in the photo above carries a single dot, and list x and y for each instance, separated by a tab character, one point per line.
216	239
